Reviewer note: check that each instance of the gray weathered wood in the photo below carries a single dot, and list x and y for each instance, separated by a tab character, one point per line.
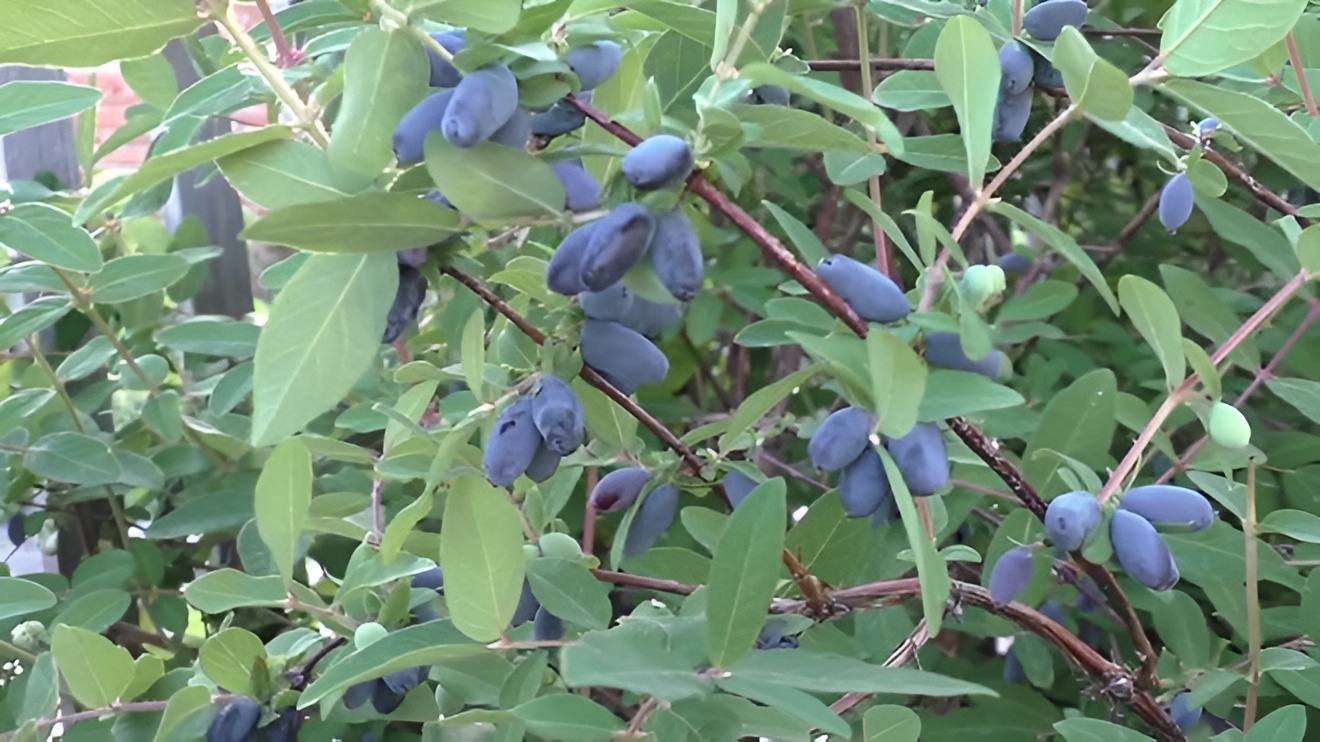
228	288
51	147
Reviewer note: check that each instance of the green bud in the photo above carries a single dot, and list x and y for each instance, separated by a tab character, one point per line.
983	285
30	636
560	545
1228	427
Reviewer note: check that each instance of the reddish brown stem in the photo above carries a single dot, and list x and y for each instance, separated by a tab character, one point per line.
285	55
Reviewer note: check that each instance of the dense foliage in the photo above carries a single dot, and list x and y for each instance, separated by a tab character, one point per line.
674	370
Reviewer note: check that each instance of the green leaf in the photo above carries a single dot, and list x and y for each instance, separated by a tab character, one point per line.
567	589
911	90
494	183
831	96
891	724
186	715
957	393
283	494
943	152
281	173
818	672
967	67
370	222
322	335
494	16
639	656
73	457
1081	729
48	234
1155	317
1303	394
932	570
1295	524
89	33
1202	37
1203	311
227	589
32	318
852	168
1065	245
473	355
1287	724
231	657
216	94
1265	243
744	573
1140	130
422	644
20	597
42	696
95	670
163	167
385	75
481	555
789	128
761	401
806	241
26	103
569	717
1095	85
95	611
898	382
789	700
1257	123
135	276
1078	422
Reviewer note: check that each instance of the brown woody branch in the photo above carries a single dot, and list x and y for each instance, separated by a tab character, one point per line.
1116	681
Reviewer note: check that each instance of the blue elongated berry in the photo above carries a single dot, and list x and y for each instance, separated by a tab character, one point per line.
483	102
676	255
595	63
431	579
923	459
1206	127
1013	671
512	444
1045	74
559	119
1169	506
235	721
660	161
516	131
1011	574
1183	713
840	439
944	349
617	243
870	293
408	299
581	191
1016	67
769	95
543	465
737	486
547	627
424	118
653	518
1014	262
1176	202
1072	520
558	415
625	356
619	489
864	485
564	274
444	74
1011	114
1141	552
527	606
1047	20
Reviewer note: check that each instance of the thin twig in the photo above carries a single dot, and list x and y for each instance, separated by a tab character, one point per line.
1295	57
1235	172
286	56
1180	394
303	675
1262	375
1253	601
879	64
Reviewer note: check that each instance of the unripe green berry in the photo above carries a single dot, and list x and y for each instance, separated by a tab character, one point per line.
982	285
560	545
1228	427
369	633
531	551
